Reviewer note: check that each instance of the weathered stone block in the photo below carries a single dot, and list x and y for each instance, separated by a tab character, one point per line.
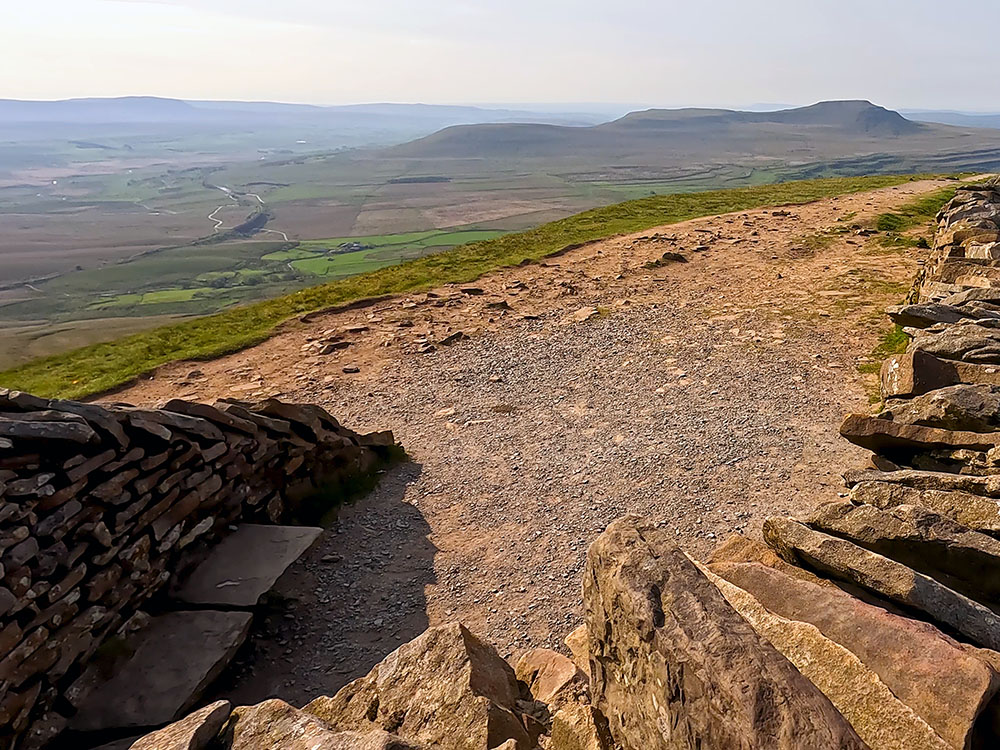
799	544
170	685
446	689
246	565
675	666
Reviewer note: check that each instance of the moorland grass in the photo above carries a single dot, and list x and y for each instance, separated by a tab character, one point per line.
916	213
103	366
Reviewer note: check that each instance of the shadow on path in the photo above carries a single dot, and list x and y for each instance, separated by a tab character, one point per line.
353	598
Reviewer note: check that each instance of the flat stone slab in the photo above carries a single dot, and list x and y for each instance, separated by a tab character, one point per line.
176	657
246	565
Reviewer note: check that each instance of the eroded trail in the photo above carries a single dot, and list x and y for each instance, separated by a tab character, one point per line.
589	386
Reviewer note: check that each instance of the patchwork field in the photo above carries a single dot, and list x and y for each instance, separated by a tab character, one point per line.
148	228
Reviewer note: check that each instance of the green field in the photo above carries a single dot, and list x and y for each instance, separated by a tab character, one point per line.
206	278
103	366
319	257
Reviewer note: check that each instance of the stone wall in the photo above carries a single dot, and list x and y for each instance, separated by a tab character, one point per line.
101	506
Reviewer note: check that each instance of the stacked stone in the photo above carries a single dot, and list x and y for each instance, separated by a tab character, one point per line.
887	601
101	506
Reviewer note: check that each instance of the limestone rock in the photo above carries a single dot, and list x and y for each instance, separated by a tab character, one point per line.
551	678
799	544
988	486
945	684
880	719
914	373
577	726
972	408
275	725
446	688
676	667
922	316
738	548
886	436
578	643
988	295
170	685
962	559
977	513
193	732
918	372
246	564
966	341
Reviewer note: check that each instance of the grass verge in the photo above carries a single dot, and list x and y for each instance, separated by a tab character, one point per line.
893	342
899	225
101	367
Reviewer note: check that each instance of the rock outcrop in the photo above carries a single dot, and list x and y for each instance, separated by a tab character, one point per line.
945	684
275	724
883	577
674	666
446	689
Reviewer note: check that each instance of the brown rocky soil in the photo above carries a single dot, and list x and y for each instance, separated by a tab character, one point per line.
589	386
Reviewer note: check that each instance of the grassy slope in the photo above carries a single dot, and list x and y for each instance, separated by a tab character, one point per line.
103	366
918	214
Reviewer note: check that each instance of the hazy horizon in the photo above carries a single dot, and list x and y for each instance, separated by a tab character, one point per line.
488	53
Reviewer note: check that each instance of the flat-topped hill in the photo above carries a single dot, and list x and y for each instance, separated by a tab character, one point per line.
827	128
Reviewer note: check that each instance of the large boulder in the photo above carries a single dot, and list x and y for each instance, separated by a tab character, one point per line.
274	725
881	719
950	687
446	688
675	666
972	408
973	511
959	557
844	560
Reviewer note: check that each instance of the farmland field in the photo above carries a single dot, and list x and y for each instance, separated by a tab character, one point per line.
152	227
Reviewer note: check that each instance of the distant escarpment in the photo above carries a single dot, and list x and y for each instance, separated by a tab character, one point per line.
828	128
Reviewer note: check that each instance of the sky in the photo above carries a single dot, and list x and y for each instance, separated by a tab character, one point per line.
898	53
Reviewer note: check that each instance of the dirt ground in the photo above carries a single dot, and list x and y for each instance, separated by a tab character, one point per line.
705	394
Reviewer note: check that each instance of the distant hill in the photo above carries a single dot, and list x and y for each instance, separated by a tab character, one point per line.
149	109
963	119
127	109
714	130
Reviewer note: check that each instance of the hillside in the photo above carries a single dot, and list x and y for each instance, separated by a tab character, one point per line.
656	384
823	130
106	365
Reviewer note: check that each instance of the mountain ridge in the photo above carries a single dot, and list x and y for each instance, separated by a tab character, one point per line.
851	119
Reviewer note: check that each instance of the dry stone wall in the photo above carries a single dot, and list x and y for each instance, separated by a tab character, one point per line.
100	507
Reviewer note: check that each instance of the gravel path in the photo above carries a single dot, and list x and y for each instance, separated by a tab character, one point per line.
705	394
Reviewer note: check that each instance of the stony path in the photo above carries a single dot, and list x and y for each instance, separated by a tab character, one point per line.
589	386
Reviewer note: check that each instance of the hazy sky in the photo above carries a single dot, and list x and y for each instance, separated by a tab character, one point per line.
900	53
